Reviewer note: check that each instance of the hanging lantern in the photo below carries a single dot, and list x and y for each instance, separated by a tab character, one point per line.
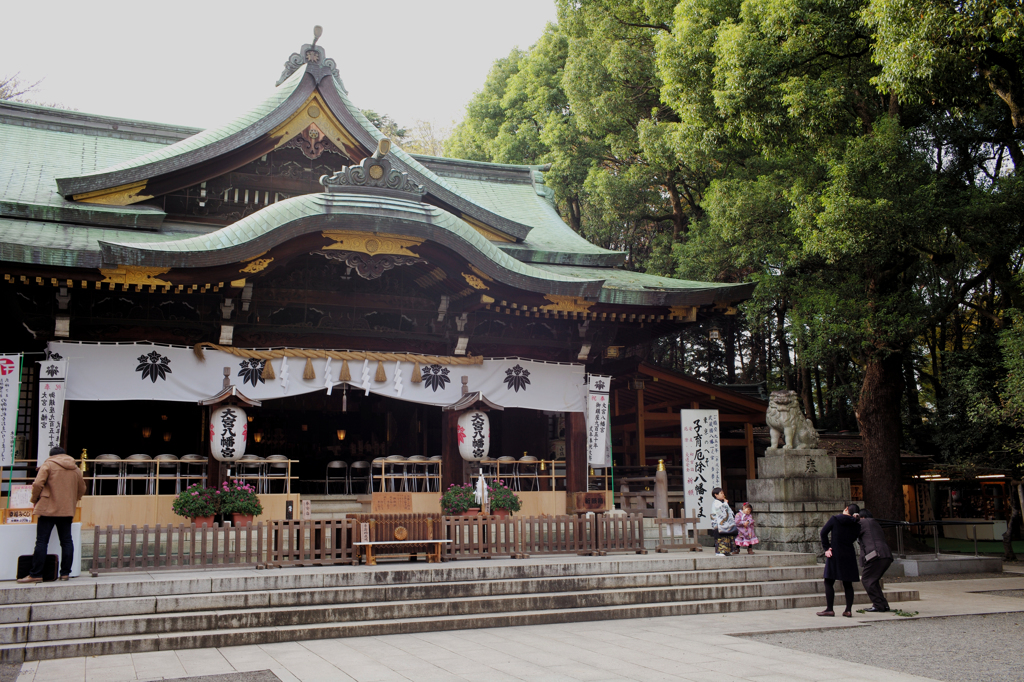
474	429
229	430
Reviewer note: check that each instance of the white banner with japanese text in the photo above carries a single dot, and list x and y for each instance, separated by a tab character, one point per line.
10	382
52	382
147	371
702	462
599	452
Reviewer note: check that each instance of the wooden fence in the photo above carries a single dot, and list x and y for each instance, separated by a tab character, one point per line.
321	542
675	533
328	542
175	547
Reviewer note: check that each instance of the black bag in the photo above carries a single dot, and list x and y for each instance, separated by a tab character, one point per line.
50	567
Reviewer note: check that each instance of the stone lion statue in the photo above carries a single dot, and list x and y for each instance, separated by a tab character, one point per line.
785	417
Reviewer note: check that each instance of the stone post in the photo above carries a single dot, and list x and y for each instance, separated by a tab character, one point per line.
795	493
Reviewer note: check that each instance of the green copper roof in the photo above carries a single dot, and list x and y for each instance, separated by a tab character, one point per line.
33	157
208	137
69	246
637	288
381	213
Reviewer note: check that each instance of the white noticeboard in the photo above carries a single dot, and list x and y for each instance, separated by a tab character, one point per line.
599	452
52	376
702	462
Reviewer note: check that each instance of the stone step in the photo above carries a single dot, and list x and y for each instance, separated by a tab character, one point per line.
412	606
187	582
165	604
235	636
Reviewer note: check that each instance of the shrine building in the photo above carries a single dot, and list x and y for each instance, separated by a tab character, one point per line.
358	298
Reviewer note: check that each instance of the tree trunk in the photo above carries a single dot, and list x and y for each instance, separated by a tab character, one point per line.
1011	524
784	362
805	394
730	349
817	390
879	415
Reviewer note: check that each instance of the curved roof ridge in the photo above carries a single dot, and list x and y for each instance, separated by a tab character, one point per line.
284	220
207	136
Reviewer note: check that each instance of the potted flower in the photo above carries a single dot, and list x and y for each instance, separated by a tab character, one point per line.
239	499
197	503
460	500
503	500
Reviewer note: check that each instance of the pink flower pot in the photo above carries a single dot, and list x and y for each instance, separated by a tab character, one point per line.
500	513
200	520
241	520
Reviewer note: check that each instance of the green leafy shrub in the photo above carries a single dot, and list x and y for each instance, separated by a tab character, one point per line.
238	497
195	501
458	499
502	497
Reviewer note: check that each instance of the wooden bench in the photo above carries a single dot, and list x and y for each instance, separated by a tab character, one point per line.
433	556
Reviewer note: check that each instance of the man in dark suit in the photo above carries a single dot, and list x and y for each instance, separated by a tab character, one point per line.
875	558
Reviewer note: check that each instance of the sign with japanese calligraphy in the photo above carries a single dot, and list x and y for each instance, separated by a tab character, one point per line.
599	451
229	433
52	385
21	497
10	382
474	435
702	461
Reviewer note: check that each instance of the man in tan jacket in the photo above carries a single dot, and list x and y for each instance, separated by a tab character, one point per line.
58	487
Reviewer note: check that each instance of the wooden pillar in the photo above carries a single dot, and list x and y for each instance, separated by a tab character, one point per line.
641	433
575	453
748	431
451	461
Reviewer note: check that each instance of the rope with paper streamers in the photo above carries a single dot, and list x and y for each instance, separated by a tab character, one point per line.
312	354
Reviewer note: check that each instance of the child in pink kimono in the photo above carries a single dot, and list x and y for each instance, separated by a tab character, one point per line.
747	536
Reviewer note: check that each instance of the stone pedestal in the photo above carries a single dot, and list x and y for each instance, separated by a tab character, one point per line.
795	493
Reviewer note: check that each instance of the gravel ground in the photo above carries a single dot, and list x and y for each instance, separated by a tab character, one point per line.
955	648
949	576
253	676
9	671
1019	594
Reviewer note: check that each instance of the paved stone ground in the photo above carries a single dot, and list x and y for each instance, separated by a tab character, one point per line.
699	648
955	648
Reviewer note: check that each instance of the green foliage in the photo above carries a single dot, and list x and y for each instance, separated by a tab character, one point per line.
386	125
196	501
238	497
458	499
502	497
859	160
1006	409
950	51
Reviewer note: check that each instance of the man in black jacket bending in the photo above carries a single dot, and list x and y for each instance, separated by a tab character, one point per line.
875	558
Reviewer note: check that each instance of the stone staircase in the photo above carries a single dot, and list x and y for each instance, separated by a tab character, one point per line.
130	613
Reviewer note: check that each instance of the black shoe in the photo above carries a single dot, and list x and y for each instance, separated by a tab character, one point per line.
874	610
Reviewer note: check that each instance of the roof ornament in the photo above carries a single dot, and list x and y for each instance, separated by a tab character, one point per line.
316	57
374	171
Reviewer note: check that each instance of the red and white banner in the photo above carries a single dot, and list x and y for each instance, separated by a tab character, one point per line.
10	382
52	385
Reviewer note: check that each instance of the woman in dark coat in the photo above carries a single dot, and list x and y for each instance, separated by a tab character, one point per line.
837	538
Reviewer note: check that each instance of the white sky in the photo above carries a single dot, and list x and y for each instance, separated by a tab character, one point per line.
199	63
